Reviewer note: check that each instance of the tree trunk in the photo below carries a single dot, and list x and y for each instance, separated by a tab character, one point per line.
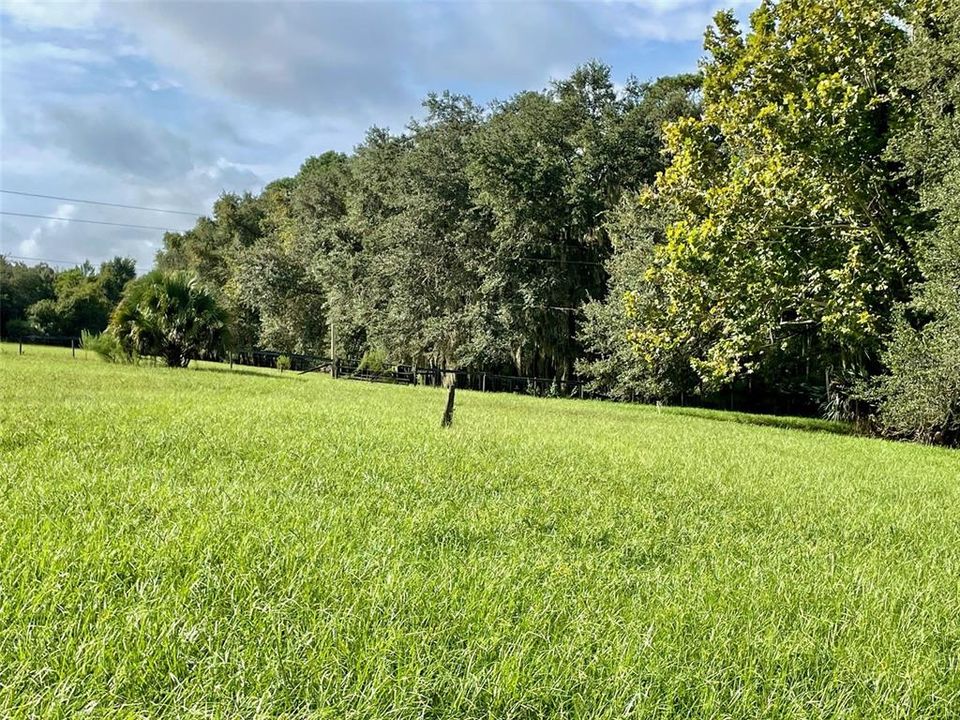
175	357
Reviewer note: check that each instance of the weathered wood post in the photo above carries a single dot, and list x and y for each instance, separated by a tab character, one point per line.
73	347
21	346
448	411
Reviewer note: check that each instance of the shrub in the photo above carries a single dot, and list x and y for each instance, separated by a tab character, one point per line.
173	316
374	361
106	345
283	362
920	398
20	328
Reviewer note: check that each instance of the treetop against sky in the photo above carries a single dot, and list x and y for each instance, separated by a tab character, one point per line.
169	104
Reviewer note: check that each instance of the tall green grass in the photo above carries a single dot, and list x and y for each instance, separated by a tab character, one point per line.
206	543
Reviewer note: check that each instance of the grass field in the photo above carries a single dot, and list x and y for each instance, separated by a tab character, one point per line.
207	543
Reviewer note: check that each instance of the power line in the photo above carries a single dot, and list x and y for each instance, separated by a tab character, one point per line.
100	202
89	222
560	261
43	260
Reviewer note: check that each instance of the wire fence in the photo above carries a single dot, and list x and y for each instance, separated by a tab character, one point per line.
740	397
354	369
465	379
56	340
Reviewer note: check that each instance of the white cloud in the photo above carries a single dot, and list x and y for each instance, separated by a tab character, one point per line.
305	57
47	52
364	59
357	60
40	237
665	20
35	14
105	133
163	84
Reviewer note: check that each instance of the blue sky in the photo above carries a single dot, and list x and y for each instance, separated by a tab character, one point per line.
167	104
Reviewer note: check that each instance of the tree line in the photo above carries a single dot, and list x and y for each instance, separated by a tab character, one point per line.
779	230
472	239
39	300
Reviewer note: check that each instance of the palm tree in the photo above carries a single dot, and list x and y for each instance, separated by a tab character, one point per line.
173	316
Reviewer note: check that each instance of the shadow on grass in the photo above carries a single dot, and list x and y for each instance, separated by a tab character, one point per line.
776	421
250	371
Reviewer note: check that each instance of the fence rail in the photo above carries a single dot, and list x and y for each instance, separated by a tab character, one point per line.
55	340
352	369
466	379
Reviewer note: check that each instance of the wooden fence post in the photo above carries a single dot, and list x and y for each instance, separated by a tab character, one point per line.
73	348
448	411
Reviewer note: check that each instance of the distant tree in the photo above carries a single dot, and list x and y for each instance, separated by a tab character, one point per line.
77	308
280	278
79	304
547	166
471	239
359	263
44	317
114	276
275	286
20	287
173	316
611	361
424	256
213	249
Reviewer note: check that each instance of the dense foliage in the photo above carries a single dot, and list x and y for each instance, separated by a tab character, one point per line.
106	346
171	316
920	398
471	239
803	237
40	300
781	249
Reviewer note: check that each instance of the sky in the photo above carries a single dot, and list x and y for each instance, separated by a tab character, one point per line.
167	104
